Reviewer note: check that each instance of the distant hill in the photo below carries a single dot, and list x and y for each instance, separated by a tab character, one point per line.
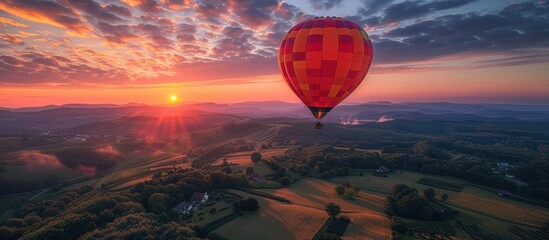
72	115
72	105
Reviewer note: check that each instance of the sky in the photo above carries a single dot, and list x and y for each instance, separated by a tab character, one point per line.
145	51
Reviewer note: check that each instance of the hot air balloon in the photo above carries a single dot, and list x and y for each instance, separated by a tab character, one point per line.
323	60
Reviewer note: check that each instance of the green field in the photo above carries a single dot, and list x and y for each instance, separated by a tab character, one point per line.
274	221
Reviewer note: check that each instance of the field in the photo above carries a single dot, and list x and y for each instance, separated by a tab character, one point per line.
42	171
487	203
365	226
317	193
384	185
274	220
360	149
243	158
309	197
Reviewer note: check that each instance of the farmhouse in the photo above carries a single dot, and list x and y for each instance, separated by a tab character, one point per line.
197	199
257	177
504	193
383	170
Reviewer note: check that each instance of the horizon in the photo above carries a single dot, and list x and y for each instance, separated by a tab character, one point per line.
273	101
223	51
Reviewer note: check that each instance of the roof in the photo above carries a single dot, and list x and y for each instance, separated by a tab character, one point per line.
198	196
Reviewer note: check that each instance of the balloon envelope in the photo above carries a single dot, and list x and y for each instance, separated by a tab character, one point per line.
323	60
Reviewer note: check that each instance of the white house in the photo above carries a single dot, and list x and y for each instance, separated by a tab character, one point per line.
197	199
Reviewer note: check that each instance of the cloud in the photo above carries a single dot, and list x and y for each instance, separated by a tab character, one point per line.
516	29
254	13
325	4
235	43
32	67
186	32
105	13
7	21
146	6
178	4
11	38
48	12
413	9
116	33
373	6
142	41
210	10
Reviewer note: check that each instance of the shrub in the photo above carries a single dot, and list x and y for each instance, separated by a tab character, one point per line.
256	157
285	181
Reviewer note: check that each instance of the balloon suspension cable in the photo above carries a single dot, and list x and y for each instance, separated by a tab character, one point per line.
318	125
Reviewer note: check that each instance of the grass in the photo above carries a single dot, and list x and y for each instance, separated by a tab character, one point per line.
529	234
368	226
39	172
488	203
317	193
211	220
125	174
265	184
127	184
243	158
384	185
274	220
425	229
431	182
264	195
6	210
491	214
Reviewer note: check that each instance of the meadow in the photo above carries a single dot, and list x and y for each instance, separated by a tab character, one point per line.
274	221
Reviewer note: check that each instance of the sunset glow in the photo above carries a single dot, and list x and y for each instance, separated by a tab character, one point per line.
173	98
58	52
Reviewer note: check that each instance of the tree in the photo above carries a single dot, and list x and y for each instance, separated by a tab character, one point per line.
256	157
316	168
398	188
225	162
329	236
285	181
389	149
281	172
356	189
333	209
350	193
32	219
227	170
444	197
429	193
347	184
157	198
158	208
340	190
249	171
249	204
15	222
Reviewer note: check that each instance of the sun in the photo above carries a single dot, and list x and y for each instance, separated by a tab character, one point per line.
173	98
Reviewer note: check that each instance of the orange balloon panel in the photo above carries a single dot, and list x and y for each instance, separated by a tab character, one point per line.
323	60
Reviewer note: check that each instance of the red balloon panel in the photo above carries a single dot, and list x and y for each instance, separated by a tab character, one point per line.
323	60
